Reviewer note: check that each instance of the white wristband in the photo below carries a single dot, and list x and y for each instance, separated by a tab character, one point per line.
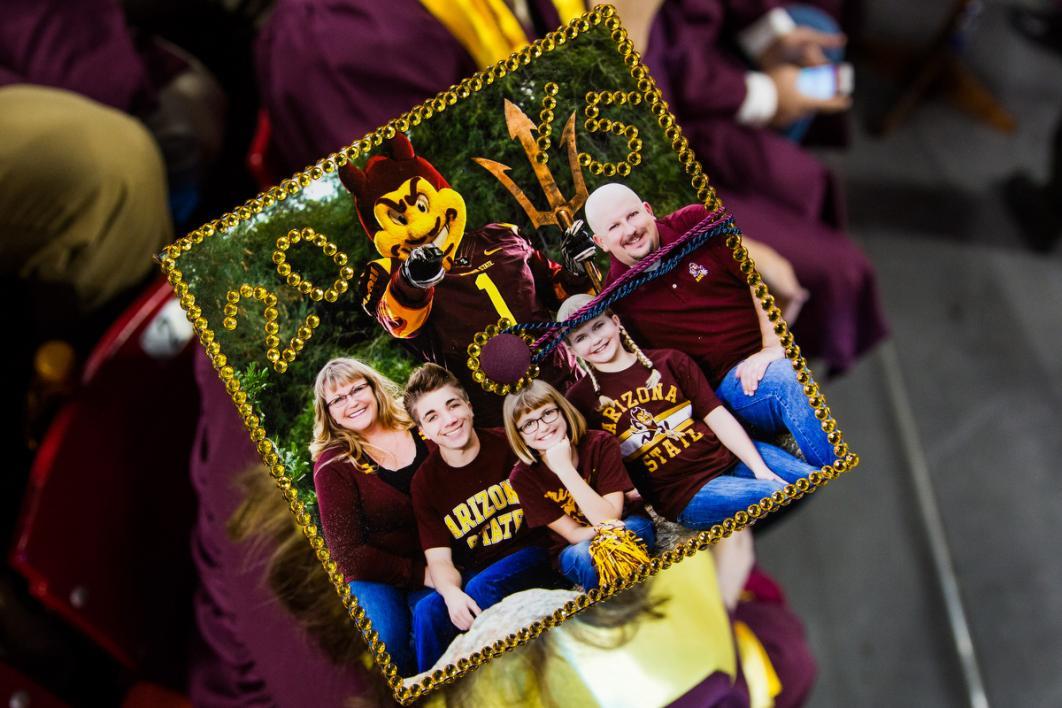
761	100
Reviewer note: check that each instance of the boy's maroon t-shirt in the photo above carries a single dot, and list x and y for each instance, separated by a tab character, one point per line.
472	510
545	498
703	307
667	446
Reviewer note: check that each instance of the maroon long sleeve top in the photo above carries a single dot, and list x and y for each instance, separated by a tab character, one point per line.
368	524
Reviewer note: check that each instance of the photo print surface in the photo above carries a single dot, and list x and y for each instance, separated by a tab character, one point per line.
497	356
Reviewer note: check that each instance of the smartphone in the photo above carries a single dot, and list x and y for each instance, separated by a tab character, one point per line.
826	81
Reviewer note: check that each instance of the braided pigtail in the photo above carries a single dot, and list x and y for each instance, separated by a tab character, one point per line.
643	359
603	401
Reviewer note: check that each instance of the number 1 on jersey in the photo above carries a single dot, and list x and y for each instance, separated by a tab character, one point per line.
483	282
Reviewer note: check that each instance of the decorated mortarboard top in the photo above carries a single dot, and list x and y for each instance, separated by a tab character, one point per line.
438	237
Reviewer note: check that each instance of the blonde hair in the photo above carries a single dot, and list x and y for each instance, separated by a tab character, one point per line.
628	343
327	434
538	394
292	570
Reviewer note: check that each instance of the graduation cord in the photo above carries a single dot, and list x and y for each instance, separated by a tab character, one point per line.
661	262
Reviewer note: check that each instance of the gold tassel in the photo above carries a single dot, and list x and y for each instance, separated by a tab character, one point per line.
616	553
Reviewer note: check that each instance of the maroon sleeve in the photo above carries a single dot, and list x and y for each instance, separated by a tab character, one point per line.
339	502
684	219
83	46
553	282
684	45
721	254
612	476
430	525
694	385
407	294
538	510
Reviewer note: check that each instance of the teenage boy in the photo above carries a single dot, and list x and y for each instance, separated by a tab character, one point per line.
705	308
471	524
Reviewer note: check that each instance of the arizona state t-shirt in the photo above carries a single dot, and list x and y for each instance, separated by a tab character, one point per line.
545	498
668	448
473	510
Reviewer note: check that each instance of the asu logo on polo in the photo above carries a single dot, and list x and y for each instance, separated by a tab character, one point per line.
496	509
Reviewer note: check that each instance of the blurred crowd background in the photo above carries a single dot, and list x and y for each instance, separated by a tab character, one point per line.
923	578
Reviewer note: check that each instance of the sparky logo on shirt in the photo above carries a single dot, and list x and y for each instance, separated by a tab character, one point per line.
484	511
697	271
563	498
642	422
651	440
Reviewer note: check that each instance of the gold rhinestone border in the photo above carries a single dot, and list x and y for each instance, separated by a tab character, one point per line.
647	90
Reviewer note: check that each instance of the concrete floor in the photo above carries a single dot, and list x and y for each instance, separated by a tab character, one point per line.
977	324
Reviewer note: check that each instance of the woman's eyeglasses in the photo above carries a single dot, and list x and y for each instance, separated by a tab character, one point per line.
344	398
530	425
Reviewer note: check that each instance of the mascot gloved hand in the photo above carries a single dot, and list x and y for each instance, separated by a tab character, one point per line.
577	246
424	267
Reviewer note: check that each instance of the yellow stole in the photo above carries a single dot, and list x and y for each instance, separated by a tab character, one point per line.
489	29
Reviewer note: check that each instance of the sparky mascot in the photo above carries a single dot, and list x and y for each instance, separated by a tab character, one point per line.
437	283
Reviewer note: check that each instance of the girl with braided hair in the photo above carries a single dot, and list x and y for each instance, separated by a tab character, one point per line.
687	454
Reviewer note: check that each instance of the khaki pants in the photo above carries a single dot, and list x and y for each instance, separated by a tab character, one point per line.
83	202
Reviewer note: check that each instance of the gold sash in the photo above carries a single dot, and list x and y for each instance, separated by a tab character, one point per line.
488	29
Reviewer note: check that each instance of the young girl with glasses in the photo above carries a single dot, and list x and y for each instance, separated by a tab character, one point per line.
569	478
688	455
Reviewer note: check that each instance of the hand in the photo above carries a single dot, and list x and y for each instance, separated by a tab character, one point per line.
780	277
463	609
793	105
766	474
751	370
577	247
559	457
612	523
802	46
424	268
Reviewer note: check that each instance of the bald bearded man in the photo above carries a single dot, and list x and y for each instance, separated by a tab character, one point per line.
705	308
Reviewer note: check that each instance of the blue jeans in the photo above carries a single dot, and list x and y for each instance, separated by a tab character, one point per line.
778	405
391	609
575	562
432	629
737	488
816	19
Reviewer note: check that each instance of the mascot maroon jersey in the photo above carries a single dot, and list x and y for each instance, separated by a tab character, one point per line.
496	273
